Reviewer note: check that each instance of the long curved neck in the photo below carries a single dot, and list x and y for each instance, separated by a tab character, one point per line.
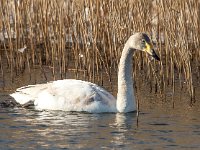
125	96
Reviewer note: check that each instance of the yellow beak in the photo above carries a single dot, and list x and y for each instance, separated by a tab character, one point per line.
149	49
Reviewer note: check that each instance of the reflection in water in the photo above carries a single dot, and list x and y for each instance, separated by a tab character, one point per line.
125	120
69	128
124	124
26	128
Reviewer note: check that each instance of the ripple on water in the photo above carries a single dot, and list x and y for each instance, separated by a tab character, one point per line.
22	128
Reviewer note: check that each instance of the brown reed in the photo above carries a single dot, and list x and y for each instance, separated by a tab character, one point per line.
87	36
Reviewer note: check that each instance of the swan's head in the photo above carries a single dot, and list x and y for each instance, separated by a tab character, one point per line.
141	41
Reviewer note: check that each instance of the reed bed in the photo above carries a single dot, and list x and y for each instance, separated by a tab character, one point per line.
87	36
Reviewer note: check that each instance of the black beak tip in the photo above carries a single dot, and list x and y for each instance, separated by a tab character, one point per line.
156	57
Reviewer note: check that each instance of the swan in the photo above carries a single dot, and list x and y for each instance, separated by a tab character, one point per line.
82	96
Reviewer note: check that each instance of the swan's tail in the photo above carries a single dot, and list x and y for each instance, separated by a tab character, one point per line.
28	94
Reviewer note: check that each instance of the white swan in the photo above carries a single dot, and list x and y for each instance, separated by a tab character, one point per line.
77	95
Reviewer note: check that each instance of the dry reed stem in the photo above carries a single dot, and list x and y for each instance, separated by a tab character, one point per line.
88	36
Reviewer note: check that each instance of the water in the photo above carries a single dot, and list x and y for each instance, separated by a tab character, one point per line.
157	128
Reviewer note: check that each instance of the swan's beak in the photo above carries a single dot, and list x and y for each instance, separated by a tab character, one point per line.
150	51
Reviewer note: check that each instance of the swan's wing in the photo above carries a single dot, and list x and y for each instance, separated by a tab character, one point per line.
28	93
69	95
75	95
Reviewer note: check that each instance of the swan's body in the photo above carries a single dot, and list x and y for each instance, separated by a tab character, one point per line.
67	95
77	95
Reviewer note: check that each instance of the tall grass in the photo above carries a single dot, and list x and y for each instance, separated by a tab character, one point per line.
87	36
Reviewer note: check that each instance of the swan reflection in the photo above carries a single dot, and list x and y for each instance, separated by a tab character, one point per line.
124	124
68	128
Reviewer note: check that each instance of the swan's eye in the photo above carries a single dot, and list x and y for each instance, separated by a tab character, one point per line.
143	43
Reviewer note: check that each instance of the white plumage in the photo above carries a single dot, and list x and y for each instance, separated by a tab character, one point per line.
67	95
77	95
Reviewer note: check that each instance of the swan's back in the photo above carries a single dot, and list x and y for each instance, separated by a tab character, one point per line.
67	95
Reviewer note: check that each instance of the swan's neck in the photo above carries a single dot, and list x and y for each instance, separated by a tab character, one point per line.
125	96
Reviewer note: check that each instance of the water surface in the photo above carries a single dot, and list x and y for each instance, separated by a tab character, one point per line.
157	128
